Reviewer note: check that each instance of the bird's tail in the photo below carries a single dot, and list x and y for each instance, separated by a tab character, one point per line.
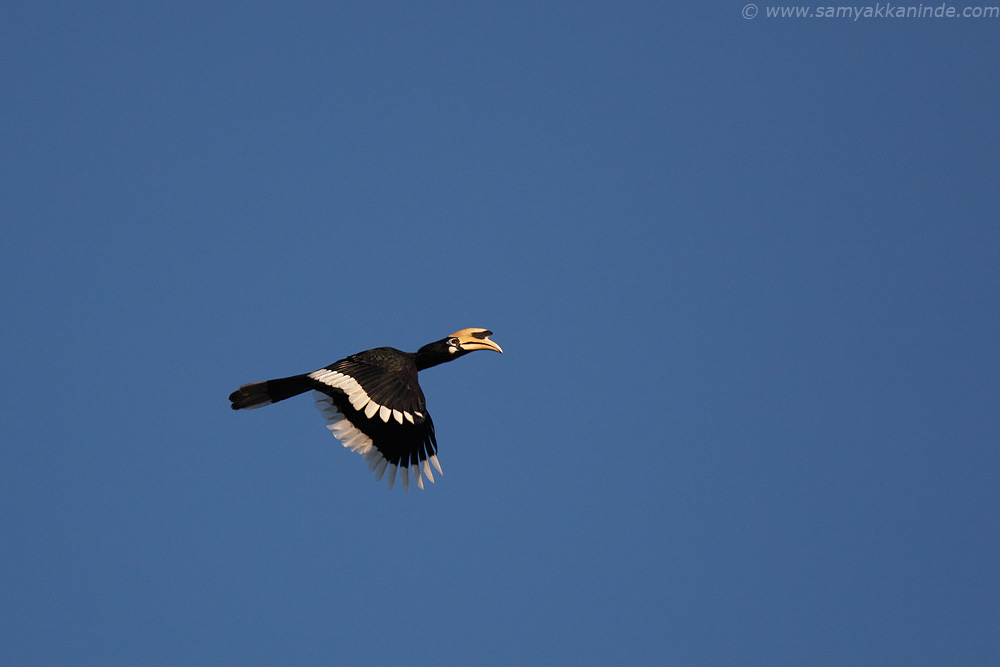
259	394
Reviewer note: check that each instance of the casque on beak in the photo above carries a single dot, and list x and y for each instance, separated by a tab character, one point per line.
475	339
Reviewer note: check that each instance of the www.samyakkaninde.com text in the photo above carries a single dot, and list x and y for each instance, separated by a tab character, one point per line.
876	11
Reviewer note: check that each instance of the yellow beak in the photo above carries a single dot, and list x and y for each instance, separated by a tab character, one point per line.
476	339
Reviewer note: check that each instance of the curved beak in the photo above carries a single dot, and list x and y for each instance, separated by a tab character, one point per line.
476	339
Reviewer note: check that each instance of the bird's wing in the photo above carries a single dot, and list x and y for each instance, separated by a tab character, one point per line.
380	414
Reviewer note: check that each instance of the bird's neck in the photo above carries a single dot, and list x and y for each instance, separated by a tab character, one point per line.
431	355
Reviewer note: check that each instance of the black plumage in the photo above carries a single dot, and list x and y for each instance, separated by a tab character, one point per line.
373	403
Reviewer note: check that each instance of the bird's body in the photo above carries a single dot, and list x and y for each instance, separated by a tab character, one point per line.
373	404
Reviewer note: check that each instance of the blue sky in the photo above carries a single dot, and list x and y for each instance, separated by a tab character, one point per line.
745	274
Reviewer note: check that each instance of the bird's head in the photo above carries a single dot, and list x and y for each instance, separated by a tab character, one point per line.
470	340
454	346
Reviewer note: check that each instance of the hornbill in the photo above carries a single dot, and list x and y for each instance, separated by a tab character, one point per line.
373	404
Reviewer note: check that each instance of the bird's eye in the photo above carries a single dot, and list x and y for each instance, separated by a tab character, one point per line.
453	342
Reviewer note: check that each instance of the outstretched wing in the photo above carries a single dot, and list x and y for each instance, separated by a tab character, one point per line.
377	410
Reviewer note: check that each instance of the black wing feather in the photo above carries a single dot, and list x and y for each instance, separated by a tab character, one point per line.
389	381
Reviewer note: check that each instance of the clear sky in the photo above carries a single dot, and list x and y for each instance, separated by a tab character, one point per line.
746	274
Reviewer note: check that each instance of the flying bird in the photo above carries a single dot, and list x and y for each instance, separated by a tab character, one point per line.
373	404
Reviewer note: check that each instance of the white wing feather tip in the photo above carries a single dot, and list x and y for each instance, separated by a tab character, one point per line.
354	439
